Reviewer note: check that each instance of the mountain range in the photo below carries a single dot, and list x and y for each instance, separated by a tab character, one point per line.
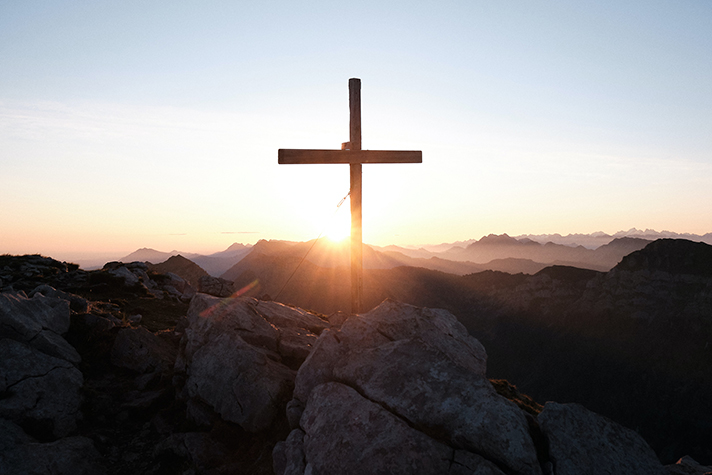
214	264
527	254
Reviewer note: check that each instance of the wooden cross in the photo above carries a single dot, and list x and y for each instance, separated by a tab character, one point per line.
352	154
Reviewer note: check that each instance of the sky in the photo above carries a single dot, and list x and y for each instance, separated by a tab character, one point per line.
130	124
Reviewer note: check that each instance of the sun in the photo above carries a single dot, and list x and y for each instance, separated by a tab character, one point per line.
339	228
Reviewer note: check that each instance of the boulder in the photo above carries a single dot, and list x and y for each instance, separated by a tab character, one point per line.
178	287
76	303
297	329
582	442
347	433
288	455
22	455
40	392
235	357
39	322
421	368
130	279
215	286
27	316
240	382
424	386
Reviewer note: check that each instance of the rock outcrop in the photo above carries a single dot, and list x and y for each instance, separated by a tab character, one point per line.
581	442
215	286
20	454
38	322
39	382
403	390
139	276
239	356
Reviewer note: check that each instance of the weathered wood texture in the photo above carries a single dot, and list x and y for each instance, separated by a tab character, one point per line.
305	156
355	196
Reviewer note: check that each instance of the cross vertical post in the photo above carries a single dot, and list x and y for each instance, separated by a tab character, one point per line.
356	213
352	154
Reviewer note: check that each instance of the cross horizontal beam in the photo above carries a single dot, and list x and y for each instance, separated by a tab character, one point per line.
294	156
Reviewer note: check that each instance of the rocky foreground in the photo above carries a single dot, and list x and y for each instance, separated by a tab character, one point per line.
126	370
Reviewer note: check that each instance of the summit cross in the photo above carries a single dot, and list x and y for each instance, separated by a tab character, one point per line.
352	154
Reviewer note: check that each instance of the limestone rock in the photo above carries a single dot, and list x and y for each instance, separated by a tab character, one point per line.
346	433
236	355
438	328
425	387
297	329
582	442
21	455
215	286
240	382
76	303
39	322
288	455
27	316
39	389
52	344
467	463
388	322
178	286
421	367
209	317
130	279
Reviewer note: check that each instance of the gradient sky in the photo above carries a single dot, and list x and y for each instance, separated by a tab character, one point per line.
127	124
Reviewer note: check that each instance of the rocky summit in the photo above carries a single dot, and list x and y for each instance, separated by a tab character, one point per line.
125	370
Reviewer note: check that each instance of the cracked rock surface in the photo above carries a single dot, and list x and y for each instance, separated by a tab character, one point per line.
239	363
582	442
408	377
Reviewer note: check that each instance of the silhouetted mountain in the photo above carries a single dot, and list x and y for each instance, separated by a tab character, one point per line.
503	246
185	268
420	253
326	254
216	264
597	239
674	256
146	254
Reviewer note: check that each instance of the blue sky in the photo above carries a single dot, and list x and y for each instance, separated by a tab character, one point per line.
157	124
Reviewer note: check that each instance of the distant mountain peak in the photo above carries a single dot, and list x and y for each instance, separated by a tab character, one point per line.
237	246
676	256
495	239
